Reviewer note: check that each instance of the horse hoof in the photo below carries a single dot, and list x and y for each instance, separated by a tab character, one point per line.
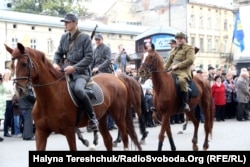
86	143
142	142
180	132
115	144
195	148
92	148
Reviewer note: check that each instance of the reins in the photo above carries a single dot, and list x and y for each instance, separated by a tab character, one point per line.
48	84
28	77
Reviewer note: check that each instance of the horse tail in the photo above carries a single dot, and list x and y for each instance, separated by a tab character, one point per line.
141	117
211	120
131	129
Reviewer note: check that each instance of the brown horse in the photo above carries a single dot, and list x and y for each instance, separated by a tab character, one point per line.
137	102
54	111
167	101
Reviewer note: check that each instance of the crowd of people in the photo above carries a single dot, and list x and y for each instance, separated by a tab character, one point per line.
15	112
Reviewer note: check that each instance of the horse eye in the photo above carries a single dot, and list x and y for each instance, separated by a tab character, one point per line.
23	64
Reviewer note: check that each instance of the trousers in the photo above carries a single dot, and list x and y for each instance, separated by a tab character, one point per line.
79	86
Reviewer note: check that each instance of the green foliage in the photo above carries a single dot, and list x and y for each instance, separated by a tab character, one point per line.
51	7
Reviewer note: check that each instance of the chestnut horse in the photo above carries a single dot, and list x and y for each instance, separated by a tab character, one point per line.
54	111
167	101
137	102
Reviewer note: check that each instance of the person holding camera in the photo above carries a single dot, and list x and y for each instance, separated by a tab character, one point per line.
123	58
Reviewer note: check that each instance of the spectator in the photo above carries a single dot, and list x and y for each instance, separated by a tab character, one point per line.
26	104
149	106
242	91
9	92
218	92
17	116
230	91
211	75
2	102
123	59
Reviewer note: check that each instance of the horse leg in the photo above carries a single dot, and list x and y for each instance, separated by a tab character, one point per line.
71	138
196	127
165	127
122	129
103	128
80	137
208	114
95	142
117	140
41	139
142	127
166	124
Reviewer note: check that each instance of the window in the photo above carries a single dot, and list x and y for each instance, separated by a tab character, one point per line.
14	42
216	45
193	41
225	46
225	25
217	24
209	45
50	45
192	21
209	23
33	43
201	44
201	22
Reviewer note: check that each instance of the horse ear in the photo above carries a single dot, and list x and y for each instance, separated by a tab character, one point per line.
20	47
10	50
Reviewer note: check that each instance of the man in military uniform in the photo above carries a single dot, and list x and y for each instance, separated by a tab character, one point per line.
102	57
180	61
77	48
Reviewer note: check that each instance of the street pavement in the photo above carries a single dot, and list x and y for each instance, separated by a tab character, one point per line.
227	136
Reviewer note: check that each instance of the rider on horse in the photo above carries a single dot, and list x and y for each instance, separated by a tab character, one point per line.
77	49
180	61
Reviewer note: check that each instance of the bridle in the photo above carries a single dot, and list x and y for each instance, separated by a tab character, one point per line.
150	68
31	66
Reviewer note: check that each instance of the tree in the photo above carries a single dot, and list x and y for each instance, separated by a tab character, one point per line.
52	7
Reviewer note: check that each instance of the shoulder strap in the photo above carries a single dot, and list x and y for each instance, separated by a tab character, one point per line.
72	43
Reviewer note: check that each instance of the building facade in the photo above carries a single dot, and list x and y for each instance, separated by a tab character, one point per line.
43	33
210	28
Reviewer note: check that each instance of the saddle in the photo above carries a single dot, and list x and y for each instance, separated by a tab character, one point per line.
193	90
92	89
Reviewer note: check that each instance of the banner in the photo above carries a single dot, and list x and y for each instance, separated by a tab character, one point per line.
238	34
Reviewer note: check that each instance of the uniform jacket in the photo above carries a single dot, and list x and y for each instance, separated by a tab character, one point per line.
242	90
219	94
184	57
102	58
80	55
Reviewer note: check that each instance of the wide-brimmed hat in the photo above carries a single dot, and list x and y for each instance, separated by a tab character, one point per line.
69	17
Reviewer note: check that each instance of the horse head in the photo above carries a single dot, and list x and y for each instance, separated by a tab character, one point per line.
22	66
151	62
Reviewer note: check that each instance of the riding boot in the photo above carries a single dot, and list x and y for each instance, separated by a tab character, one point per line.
185	101
90	112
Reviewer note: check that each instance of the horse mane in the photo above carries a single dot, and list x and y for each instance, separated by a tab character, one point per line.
159	61
46	62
